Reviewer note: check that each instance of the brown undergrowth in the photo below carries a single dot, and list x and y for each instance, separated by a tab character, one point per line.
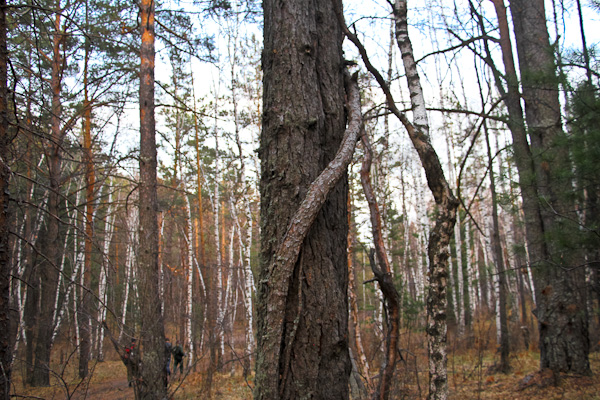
471	376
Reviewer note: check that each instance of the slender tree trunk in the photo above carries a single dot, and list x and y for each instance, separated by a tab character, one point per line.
218	272
5	268
189	303
245	241
460	295
51	245
103	279
381	269
86	312
362	364
441	233
130	256
199	182
504	365
249	288
152	335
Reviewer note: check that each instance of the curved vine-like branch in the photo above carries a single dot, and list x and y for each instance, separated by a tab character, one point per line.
281	270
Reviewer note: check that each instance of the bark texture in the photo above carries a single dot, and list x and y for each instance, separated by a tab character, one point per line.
302	302
86	310
559	278
5	271
439	238
152	326
52	243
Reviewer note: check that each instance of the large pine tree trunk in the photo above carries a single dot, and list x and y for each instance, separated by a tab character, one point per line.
152	333
559	279
302	303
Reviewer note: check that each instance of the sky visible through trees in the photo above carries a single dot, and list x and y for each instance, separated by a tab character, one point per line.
468	211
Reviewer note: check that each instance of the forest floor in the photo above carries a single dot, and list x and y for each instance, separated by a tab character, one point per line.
470	373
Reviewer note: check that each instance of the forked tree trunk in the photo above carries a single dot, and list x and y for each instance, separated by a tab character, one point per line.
381	269
442	231
523	156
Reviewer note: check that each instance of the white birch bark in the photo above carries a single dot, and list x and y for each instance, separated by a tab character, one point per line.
474	277
20	291
462	278
486	261
438	270
130	255
102	280
59	307
459	301
217	212
78	254
190	286
248	283
161	270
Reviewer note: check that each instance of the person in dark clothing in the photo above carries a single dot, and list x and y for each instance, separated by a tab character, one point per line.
178	355
168	351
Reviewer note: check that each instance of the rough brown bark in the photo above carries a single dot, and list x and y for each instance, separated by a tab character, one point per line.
302	303
51	244
152	335
559	278
5	270
86	310
523	157
521	149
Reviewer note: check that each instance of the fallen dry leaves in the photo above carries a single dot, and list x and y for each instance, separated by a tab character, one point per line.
470	377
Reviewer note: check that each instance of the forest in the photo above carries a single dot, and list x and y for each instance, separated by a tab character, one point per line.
312	199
